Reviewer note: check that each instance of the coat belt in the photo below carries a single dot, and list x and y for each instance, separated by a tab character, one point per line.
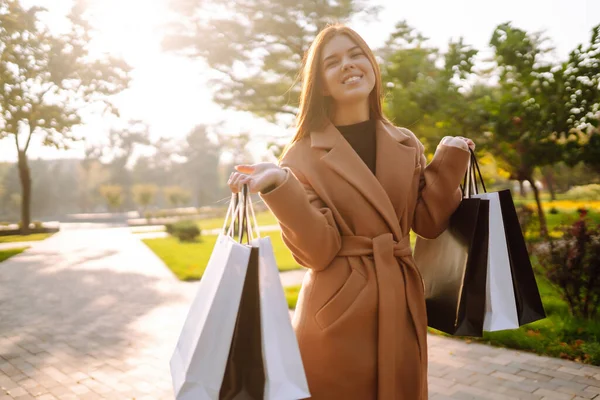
386	251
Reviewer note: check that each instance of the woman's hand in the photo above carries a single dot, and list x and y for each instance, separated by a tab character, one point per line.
258	177
458	141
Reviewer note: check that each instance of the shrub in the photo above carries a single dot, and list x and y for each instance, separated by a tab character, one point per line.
525	215
585	192
553	210
185	231
573	263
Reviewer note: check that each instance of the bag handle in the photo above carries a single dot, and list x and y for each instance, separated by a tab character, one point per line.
470	182
474	161
240	211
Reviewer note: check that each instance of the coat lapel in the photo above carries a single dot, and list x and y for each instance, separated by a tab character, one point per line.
387	190
395	165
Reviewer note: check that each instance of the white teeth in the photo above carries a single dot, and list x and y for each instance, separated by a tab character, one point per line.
352	79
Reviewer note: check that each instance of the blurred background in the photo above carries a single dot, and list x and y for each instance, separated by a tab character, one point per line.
131	106
132	114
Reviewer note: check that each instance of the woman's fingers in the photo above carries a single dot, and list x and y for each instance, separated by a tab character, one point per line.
245	169
236	180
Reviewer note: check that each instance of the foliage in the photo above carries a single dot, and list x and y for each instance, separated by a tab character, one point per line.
144	194
584	192
424	89
185	231
269	42
201	166
47	79
573	263
558	335
113	194
525	215
176	195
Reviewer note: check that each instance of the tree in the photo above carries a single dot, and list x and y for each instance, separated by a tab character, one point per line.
256	47
176	195
122	142
582	86
144	195
113	195
527	112
425	87
47	79
201	168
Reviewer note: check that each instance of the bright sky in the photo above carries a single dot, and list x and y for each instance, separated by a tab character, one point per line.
170	93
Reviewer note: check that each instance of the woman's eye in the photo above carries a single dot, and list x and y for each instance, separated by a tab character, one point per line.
355	55
330	64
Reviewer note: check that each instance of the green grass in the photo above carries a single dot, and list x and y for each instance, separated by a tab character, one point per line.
291	295
24	238
556	221
263	218
6	254
188	260
558	335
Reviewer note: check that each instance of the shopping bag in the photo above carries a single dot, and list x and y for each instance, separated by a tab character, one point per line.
454	269
529	307
256	354
285	376
500	305
245	373
200	356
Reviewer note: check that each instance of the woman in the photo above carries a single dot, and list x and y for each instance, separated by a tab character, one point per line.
349	188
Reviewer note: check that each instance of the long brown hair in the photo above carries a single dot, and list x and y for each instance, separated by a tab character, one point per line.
315	107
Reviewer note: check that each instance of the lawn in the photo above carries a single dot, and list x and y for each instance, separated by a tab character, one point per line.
25	238
188	260
558	335
263	218
6	254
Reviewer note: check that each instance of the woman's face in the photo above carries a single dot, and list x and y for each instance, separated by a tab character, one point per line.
347	73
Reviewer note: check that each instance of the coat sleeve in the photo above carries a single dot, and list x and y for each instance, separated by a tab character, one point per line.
439	189
307	224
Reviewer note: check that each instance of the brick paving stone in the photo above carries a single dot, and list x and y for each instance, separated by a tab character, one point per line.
121	311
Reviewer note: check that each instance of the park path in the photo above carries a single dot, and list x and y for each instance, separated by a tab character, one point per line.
94	314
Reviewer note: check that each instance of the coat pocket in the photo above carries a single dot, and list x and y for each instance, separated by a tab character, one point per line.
342	300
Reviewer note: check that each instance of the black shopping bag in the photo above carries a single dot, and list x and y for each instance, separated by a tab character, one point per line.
454	270
244	377
527	295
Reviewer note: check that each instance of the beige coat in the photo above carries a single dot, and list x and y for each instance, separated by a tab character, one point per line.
360	320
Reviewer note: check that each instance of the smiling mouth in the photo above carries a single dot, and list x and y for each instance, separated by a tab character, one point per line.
352	79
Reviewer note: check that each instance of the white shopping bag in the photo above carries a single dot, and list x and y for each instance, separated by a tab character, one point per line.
501	307
284	372
199	360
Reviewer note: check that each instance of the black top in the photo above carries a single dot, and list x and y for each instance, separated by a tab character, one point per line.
362	138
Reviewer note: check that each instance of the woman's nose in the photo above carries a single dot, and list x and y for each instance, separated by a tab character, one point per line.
347	64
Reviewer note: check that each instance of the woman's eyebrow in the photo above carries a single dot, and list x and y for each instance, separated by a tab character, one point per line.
334	55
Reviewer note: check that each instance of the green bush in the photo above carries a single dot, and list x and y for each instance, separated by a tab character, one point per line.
572	262
525	215
553	210
185	231
585	192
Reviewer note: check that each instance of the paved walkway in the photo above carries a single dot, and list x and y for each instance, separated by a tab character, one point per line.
93	314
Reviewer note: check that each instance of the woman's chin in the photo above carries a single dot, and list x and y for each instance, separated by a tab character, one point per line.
353	97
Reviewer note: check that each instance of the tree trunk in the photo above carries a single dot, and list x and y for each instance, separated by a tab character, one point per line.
549	178
25	177
522	189
542	217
